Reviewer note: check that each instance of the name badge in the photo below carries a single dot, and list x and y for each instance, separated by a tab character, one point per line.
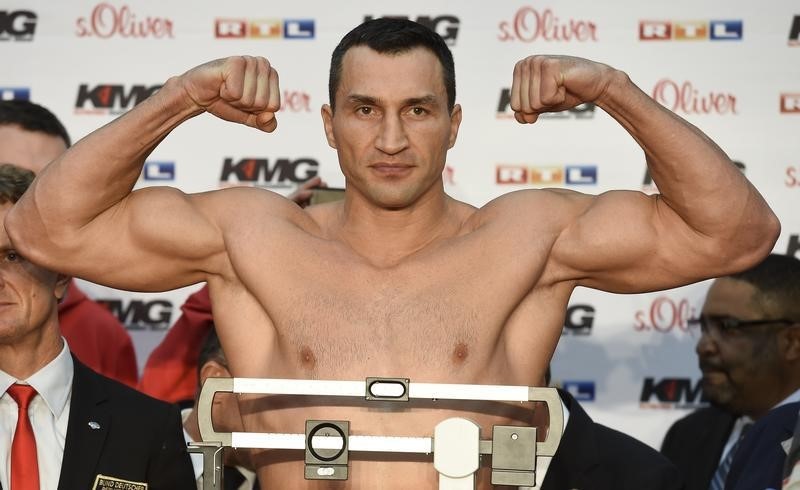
103	482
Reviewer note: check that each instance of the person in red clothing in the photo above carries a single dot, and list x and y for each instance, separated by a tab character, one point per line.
170	373
30	137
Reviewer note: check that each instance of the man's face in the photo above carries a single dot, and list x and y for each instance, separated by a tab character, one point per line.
29	294
28	149
391	127
740	367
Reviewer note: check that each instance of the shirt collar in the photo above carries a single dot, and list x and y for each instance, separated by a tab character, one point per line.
53	382
794	397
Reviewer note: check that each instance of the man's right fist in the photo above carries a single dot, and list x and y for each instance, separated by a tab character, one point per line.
241	89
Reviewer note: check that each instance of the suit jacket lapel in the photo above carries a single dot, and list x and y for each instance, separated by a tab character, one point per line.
84	443
719	429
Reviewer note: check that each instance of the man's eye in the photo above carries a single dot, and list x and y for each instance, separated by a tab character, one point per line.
12	256
365	110
418	111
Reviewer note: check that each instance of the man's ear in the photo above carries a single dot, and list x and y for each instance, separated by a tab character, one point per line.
213	369
791	343
455	123
327	121
62	283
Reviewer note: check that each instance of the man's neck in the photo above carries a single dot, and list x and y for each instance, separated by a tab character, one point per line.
387	236
25	356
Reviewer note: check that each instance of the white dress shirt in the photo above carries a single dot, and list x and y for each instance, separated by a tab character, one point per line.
49	413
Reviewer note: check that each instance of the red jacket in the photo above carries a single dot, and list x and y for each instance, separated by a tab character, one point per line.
170	373
96	337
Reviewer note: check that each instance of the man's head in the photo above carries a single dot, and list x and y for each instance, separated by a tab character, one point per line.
395	118
30	135
749	350
392	37
29	294
212	363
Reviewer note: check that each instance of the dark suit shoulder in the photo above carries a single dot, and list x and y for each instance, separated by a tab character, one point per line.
634	462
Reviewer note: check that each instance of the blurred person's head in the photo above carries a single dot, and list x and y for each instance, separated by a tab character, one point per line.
212	363
30	135
749	349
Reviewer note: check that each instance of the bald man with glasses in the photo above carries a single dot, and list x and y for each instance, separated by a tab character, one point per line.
749	354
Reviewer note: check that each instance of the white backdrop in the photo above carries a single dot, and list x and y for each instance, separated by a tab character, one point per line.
730	67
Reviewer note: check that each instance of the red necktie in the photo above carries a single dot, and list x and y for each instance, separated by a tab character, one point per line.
24	465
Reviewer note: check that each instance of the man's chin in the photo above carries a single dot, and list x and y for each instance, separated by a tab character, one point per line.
717	390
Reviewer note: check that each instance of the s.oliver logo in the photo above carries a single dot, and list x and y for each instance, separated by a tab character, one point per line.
686	99
529	25
108	20
295	101
664	315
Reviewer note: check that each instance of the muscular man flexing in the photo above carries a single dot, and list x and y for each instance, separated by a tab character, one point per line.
398	279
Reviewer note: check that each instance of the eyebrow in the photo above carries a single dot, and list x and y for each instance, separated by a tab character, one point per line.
368	100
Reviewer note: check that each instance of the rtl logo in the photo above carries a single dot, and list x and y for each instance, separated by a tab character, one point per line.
583	391
544	175
579	320
790	103
686	99
794	32
582	111
107	20
672	393
15	93
529	25
715	30
649	186
111	99
664	315
17	25
158	171
261	172
445	26
264	28
139	314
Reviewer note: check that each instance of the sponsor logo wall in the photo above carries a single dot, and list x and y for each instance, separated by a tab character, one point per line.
629	358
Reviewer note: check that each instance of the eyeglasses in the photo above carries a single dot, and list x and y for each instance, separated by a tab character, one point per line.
727	325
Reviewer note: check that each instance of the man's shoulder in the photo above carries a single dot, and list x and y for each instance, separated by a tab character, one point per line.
119	395
634	449
701	416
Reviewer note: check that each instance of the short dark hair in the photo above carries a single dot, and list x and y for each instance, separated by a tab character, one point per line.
14	181
211	350
394	36
777	283
32	117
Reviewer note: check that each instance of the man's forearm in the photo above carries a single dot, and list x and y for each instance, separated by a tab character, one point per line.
695	177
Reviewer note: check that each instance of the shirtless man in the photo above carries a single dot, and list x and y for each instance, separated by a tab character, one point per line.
398	279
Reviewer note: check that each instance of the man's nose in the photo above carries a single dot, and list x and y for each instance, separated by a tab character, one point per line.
392	137
706	345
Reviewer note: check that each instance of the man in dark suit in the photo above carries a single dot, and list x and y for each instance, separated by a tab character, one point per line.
759	461
63	426
594	457
749	353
